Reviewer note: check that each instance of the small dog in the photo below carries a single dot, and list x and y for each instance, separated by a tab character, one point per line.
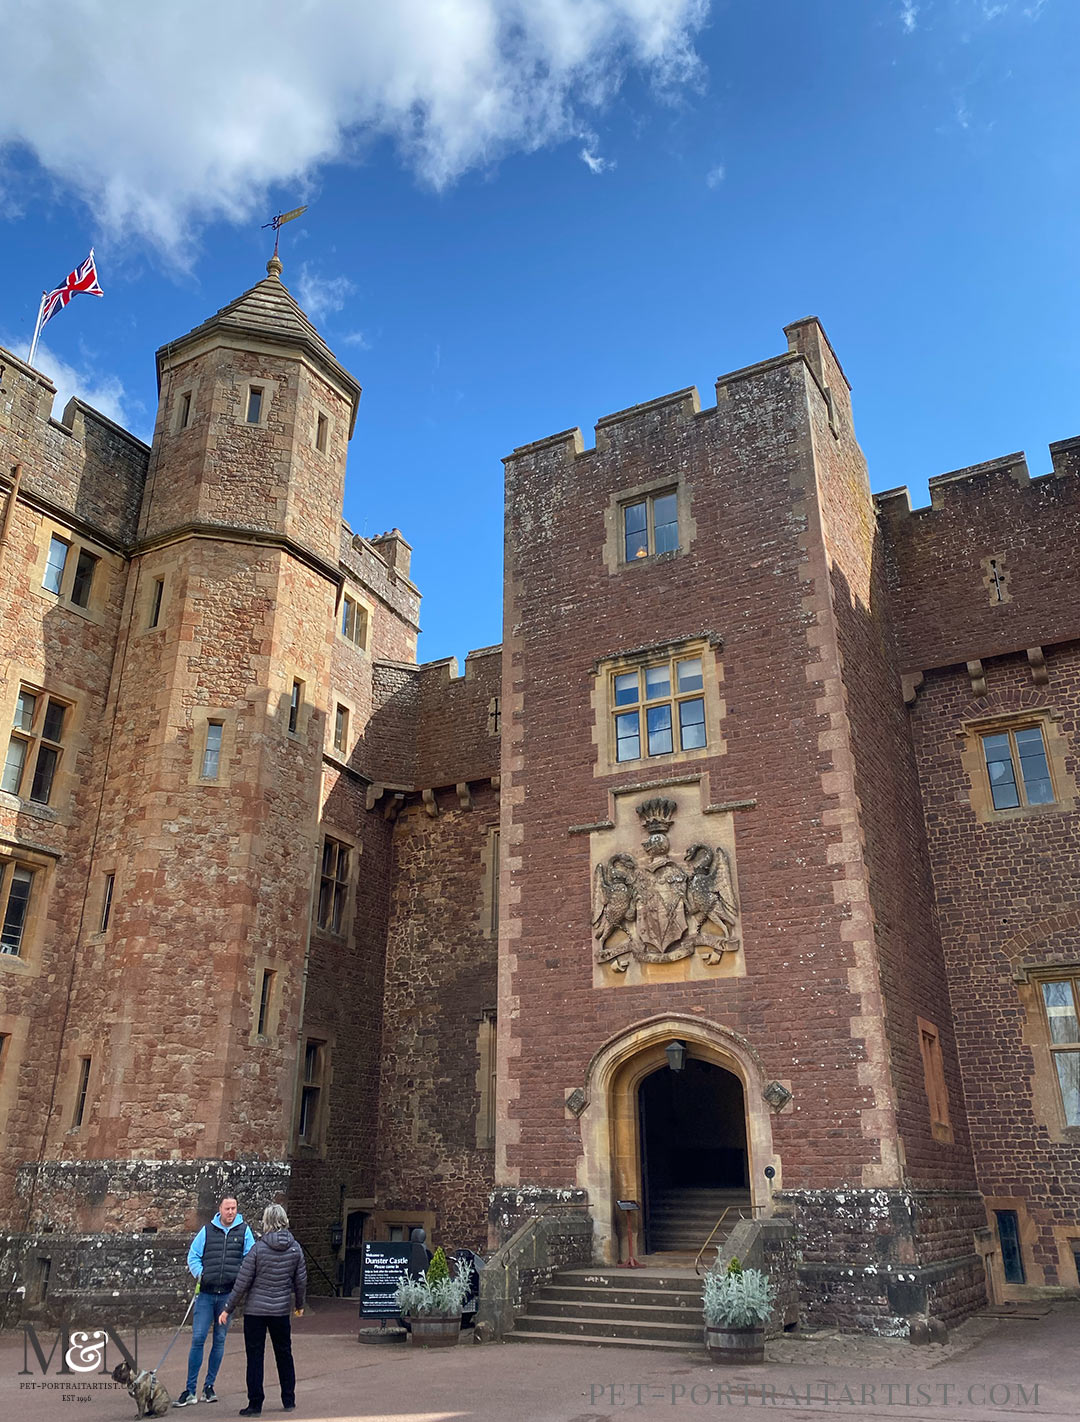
151	1397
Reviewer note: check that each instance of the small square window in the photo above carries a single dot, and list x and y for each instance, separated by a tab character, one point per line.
650	525
254	404
1017	767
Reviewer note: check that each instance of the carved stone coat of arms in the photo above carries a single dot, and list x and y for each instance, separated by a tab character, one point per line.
659	908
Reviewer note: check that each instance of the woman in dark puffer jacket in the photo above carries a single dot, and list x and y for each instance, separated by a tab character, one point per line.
273	1274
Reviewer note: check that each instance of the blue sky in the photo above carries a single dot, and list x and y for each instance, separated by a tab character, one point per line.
552	209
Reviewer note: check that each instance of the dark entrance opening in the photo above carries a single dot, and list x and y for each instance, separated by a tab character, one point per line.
693	1147
352	1264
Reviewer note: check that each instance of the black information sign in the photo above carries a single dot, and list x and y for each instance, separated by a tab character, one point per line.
384	1265
627	1204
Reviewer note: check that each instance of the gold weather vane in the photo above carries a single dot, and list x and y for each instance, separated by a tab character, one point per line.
278	222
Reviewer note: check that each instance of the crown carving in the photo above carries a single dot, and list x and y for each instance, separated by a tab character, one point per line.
657	815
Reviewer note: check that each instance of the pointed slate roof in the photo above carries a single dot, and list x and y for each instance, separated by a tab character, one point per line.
269	312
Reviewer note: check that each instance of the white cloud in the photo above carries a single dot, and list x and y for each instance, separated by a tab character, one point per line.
93	387
595	163
715	176
356	338
158	115
321	296
908	15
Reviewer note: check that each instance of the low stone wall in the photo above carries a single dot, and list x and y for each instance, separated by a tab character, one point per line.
108	1239
550	1234
872	1260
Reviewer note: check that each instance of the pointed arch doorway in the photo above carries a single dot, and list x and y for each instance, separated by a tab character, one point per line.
614	1163
692	1139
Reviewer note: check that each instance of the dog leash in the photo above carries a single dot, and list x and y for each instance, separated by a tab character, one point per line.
154	1371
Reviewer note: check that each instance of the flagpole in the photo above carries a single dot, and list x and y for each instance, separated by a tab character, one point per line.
37	329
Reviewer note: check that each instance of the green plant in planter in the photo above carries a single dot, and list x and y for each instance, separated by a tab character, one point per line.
738	1297
435	1293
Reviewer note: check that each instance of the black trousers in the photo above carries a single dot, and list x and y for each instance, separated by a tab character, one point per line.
279	1327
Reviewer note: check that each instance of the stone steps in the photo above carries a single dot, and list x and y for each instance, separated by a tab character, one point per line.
646	1308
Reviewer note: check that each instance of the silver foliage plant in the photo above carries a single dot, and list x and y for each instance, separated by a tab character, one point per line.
738	1300
417	1298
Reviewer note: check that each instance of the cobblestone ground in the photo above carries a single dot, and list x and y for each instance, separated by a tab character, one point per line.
991	1370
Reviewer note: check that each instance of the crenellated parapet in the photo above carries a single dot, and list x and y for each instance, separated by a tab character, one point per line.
82	468
988	568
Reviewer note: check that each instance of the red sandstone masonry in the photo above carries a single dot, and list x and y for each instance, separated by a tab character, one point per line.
746	466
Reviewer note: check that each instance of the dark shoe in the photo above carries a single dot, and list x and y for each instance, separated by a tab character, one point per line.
186	1399
288	1407
250	1412
208	1393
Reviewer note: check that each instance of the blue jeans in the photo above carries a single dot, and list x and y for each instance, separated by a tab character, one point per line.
207	1308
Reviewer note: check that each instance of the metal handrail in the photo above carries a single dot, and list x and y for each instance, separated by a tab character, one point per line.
716	1226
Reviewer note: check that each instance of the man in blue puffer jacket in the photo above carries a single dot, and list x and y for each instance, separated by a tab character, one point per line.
215	1256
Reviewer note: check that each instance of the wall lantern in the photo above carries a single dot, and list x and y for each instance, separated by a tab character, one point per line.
335	1237
676	1055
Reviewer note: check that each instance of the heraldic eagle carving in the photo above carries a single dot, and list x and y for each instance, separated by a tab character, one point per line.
658	907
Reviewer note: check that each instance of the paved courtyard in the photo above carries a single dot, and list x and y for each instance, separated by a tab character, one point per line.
990	1369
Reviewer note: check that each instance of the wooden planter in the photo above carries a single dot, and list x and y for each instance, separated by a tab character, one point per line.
435	1330
735	1345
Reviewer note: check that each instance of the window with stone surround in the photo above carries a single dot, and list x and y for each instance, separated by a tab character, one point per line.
331	911
341	728
937	1093
322	432
266	998
107	901
312	1098
658	705
354	621
1061	1004
16	887
157	593
650	525
35	746
658	708
1017	767
81	1090
1016	764
69	571
211	757
485	1079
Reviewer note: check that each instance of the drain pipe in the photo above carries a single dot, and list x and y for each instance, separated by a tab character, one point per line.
9	511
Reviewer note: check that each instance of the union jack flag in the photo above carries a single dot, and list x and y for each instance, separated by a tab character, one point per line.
83	279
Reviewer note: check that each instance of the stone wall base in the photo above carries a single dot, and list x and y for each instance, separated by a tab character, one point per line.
108	1239
870	1260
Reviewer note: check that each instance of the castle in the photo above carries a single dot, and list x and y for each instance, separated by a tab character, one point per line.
744	869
